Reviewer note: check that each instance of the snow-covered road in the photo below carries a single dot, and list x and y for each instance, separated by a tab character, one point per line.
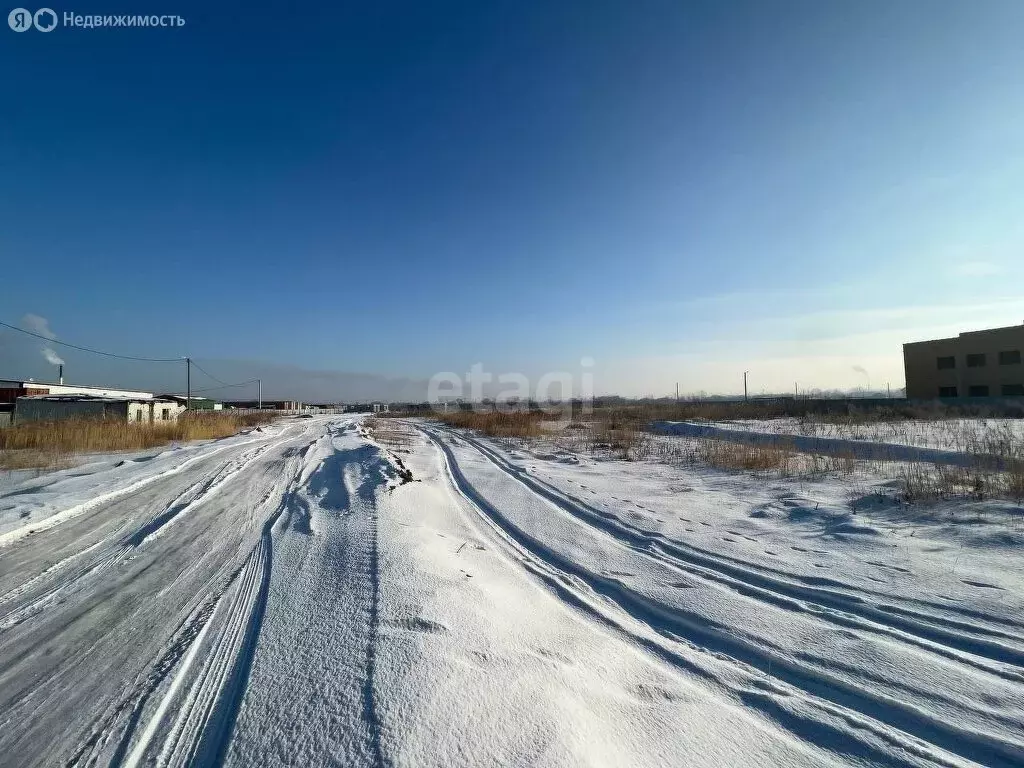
284	597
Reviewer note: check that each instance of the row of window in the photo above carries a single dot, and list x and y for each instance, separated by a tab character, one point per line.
165	414
1010	357
982	390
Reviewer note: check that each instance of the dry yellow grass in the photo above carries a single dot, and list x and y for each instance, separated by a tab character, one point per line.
497	423
45	444
743	457
1015	480
625	442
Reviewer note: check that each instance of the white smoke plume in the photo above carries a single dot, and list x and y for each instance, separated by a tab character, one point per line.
52	357
38	324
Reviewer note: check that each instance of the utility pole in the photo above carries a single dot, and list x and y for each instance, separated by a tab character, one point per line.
188	383
677	391
745	385
259	383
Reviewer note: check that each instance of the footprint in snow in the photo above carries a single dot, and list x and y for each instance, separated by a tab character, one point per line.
890	567
419	624
549	656
648	694
982	584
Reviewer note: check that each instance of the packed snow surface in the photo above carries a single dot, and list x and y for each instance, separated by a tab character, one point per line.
291	597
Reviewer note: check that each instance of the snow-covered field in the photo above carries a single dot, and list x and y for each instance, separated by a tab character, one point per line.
284	597
962	435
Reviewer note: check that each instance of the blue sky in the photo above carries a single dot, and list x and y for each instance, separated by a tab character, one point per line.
680	191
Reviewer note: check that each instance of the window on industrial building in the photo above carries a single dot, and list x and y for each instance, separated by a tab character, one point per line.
1013	389
947	391
977	391
1011	357
946	362
976	361
138	415
166	414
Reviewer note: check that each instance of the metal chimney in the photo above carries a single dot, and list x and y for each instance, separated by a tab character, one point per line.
60	374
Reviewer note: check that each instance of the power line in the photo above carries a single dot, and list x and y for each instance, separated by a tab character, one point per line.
94	351
197	365
189	361
226	386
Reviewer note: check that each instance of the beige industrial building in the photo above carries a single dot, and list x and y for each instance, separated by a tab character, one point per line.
132	409
974	364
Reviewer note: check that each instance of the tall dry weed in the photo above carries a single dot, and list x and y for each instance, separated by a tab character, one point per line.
47	443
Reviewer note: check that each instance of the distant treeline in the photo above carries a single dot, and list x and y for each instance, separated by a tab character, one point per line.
640	410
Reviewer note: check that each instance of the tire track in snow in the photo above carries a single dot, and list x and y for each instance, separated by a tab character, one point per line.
312	698
76	510
206	710
843	610
195	494
818	585
899	724
201	707
201	675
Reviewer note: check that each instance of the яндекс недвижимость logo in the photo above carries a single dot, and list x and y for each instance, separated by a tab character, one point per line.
45	20
22	19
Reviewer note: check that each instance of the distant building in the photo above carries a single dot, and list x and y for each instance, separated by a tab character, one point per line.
131	409
198	403
974	364
273	405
